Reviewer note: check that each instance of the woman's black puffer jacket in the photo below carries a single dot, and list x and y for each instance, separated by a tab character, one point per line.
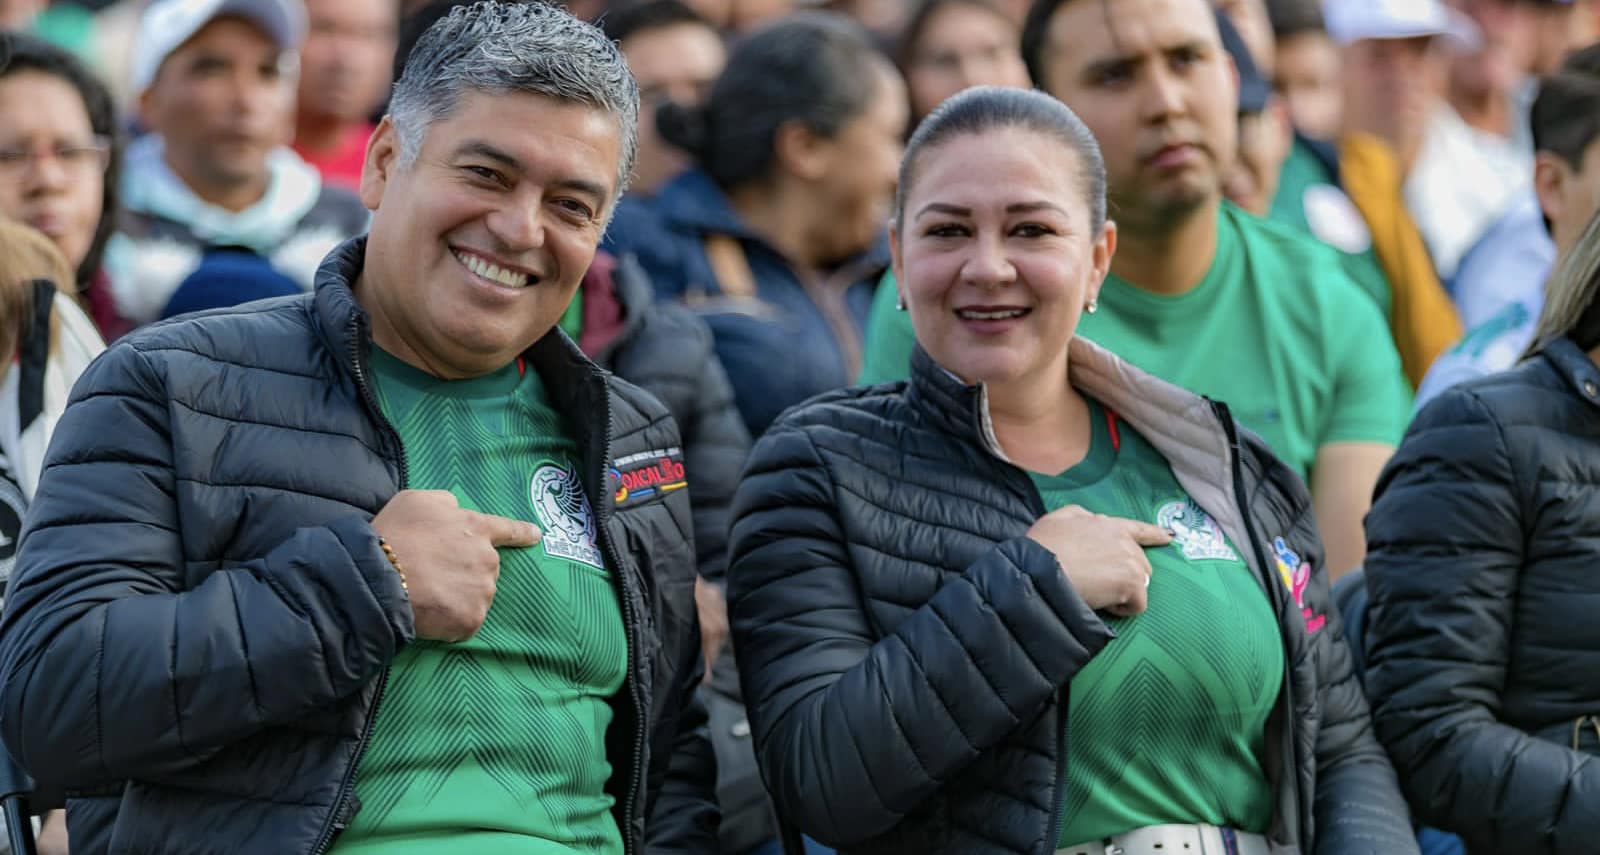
906	649
1483	627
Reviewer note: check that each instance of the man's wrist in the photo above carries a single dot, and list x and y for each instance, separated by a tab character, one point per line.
394	561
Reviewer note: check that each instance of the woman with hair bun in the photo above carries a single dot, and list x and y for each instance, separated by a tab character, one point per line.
777	236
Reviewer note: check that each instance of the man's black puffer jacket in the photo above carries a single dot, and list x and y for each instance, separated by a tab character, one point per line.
201	618
906	649
1483	623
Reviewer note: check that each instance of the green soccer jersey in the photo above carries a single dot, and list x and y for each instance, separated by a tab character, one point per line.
497	744
1276	329
1167	724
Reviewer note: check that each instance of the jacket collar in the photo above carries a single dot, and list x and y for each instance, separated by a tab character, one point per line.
1185	428
149	186
626	288
576	385
1152	406
1575	367
694	202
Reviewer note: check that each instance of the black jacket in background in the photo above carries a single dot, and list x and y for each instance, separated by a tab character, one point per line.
201	620
1483	624
907	650
666	350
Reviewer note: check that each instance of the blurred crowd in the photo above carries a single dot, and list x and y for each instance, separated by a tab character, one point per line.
1329	214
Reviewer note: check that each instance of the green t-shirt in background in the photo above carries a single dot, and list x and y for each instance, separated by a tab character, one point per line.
1309	201
1276	329
1167	724
497	744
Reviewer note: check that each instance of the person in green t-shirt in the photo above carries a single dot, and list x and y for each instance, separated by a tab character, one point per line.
1201	293
1058	603
392	566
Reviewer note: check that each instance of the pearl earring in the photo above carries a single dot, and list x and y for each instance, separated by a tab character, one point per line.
1094	306
900	302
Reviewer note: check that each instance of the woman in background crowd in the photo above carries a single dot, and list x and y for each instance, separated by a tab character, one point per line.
776	237
1483	654
60	159
951	45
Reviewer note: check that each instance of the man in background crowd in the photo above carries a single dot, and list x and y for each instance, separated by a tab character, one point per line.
217	83
344	77
1501	283
1200	293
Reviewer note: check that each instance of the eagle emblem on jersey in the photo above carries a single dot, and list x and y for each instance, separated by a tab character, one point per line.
563	512
1194	532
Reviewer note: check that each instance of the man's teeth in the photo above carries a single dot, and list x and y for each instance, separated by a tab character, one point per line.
997	315
493	272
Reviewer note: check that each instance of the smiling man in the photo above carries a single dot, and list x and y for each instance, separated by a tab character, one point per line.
353	572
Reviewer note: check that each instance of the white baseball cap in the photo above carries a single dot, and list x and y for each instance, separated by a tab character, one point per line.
1350	21
167	24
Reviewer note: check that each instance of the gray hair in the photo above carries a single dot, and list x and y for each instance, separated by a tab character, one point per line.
1571	309
504	47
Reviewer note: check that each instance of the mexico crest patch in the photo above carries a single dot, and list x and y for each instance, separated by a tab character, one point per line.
1194	532
564	516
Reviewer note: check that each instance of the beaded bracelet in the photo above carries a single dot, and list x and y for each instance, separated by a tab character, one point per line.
388	552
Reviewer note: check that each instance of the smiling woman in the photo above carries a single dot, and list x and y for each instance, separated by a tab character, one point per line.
936	566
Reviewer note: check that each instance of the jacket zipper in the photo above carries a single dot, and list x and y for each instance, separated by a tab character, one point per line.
1058	802
630	624
1275	594
358	361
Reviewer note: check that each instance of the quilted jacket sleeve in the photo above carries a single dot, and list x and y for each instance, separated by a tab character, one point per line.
1446	538
109	668
853	728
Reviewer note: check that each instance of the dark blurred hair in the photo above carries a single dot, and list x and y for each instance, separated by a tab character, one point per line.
19	52
630	20
923	15
815	68
1294	17
991	108
1566	115
1035	32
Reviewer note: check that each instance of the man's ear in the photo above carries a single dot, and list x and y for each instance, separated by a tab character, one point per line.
1551	176
383	157
145	110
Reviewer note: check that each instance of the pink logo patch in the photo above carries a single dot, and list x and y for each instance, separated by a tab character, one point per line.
1296	575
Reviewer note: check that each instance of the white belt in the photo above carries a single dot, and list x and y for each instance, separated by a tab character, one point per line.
1174	840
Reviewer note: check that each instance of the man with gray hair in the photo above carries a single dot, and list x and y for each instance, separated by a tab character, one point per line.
391	567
